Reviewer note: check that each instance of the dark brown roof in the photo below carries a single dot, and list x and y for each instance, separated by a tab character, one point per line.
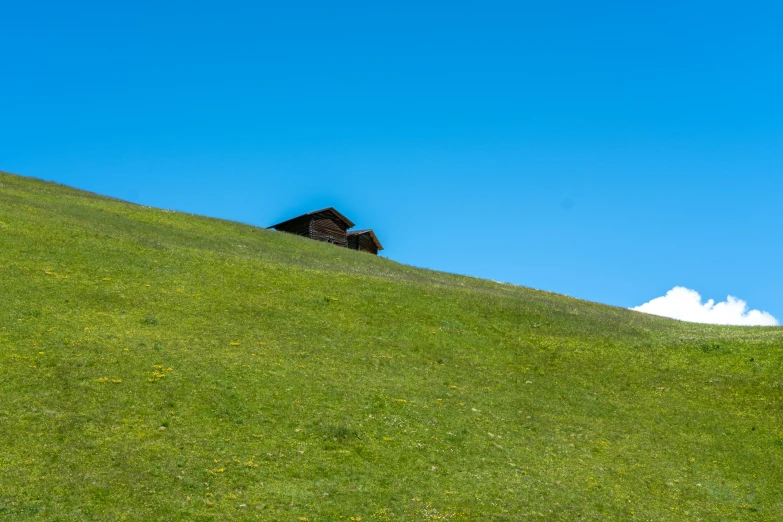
330	210
368	232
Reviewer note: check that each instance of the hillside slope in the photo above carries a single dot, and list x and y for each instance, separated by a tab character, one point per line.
162	366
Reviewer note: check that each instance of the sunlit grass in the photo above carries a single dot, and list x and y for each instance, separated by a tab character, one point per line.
163	366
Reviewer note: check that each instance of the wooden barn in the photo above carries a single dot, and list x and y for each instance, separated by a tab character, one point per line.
322	225
332	227
364	241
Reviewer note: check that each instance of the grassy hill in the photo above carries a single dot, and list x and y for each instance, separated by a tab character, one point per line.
163	366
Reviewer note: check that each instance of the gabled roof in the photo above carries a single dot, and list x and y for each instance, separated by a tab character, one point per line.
368	232
330	210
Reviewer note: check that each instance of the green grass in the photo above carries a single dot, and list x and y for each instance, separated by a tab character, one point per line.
162	366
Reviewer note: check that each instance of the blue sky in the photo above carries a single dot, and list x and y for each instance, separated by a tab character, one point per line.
605	150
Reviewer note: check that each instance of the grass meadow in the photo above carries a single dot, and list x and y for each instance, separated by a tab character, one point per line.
156	365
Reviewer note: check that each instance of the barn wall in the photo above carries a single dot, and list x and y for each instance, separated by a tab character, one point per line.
299	226
366	244
328	229
363	243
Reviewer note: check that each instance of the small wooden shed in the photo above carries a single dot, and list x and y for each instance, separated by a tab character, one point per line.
364	241
322	225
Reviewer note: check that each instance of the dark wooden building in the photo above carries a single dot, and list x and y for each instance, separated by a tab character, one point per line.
322	225
329	225
364	241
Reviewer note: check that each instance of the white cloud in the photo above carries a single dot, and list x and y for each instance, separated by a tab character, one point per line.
685	304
